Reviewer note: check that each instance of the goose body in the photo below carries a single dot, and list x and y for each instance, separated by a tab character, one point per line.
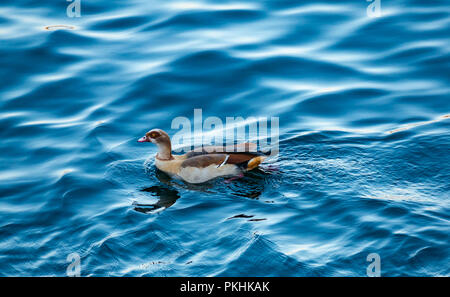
203	164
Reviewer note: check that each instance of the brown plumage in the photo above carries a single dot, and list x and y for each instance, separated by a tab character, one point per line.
204	163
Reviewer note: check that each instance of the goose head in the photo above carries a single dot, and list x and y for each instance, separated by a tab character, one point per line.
162	140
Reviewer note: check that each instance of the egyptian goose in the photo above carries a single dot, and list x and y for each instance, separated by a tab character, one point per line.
205	163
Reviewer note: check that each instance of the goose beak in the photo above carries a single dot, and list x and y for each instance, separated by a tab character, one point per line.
143	139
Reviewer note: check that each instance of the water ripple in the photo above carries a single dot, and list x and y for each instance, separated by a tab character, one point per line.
364	124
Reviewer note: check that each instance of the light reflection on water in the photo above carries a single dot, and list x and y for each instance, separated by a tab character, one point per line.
364	124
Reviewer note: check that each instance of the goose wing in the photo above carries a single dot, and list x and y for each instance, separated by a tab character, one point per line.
205	160
242	148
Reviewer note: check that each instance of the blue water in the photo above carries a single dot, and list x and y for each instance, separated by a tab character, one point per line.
364	163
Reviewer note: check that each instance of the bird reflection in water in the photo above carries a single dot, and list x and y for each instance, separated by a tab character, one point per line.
167	197
168	191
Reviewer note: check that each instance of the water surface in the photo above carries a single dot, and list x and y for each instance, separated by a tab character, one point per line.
364	158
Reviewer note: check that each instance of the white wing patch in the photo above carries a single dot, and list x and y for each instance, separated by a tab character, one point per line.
224	161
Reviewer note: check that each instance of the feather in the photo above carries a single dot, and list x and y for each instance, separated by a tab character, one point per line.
224	161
